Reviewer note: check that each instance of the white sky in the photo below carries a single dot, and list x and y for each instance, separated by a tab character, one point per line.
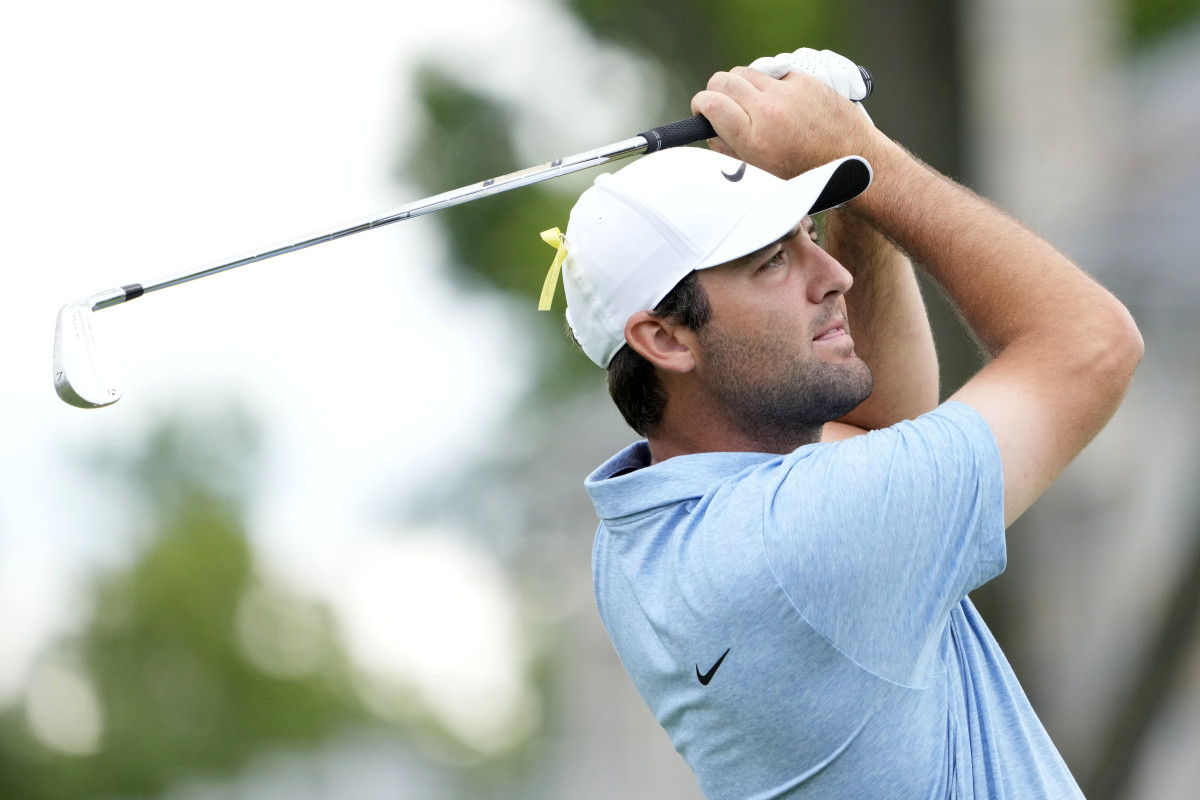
143	139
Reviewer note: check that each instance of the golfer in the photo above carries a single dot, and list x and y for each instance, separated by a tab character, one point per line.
783	563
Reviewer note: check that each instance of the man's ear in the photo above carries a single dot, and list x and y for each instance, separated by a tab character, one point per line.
664	344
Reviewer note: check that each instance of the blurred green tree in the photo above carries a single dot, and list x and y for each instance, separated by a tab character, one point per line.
1151	20
185	679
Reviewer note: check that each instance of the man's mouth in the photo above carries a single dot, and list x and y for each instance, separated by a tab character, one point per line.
832	333
832	330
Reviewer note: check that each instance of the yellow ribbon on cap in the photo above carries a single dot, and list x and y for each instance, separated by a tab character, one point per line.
555	238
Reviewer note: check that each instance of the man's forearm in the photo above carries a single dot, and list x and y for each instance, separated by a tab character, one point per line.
1008	283
888	322
1064	348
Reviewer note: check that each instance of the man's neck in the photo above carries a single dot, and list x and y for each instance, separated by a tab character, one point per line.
709	436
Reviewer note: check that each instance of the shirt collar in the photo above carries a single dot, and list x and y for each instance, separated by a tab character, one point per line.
618	492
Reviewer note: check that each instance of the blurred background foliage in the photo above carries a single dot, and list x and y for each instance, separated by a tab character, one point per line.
192	663
1151	20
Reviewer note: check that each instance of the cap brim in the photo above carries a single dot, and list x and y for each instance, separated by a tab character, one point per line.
773	216
848	178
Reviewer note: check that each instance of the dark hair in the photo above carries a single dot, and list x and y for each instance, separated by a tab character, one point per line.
632	380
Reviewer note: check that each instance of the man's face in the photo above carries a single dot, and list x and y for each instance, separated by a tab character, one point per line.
777	352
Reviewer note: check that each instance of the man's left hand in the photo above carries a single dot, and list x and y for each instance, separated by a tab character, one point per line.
835	71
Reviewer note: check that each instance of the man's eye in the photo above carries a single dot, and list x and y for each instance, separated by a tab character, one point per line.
775	260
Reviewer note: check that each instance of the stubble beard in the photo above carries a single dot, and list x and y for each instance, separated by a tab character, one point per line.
775	396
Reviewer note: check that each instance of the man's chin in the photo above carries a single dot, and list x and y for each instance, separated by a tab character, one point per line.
851	391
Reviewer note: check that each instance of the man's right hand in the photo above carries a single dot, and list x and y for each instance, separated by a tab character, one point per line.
785	126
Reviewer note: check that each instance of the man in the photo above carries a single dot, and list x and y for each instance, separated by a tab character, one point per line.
783	565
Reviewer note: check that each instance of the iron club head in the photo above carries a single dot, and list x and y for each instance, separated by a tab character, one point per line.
79	375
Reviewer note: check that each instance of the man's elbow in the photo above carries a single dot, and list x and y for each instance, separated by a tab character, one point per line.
1121	350
1132	345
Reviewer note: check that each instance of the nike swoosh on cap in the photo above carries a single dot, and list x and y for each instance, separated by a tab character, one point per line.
736	176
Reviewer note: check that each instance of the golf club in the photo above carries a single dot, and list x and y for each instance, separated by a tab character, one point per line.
80	376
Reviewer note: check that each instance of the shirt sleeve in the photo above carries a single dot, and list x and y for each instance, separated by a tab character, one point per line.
877	538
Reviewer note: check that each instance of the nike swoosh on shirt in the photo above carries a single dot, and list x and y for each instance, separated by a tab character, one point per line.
708	676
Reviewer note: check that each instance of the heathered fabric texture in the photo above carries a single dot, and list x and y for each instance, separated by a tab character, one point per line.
836	578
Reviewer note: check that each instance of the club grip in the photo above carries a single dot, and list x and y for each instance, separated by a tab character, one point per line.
675	134
697	128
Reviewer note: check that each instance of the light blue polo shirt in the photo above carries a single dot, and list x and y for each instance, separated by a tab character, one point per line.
799	624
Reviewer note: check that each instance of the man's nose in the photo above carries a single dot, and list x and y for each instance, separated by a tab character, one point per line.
829	279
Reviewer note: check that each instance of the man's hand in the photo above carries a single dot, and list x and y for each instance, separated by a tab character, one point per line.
785	126
835	71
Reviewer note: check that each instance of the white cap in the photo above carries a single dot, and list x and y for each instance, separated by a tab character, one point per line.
639	231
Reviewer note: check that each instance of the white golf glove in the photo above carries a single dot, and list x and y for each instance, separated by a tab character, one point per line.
837	72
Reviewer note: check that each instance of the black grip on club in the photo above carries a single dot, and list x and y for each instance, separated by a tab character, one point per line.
697	128
680	132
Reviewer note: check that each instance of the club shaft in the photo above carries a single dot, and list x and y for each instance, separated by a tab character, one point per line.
525	177
674	134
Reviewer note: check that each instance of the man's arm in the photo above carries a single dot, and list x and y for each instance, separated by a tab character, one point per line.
888	322
1064	348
